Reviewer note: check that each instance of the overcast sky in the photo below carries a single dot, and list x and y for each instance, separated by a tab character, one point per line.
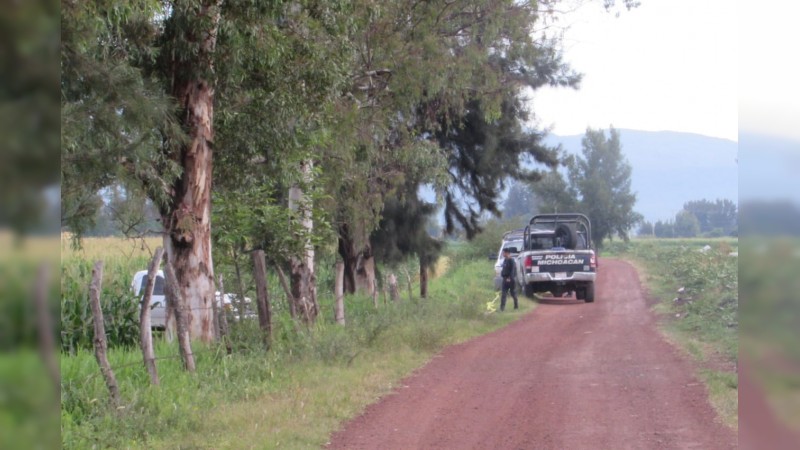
666	65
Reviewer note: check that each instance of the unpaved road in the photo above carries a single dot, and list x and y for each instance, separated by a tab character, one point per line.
568	375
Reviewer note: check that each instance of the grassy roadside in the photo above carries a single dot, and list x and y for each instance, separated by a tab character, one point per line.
696	292
702	319
294	396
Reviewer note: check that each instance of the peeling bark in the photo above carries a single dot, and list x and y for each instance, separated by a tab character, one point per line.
394	291
187	220
359	264
184	338
303	278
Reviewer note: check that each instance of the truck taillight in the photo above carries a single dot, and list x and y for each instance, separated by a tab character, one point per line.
528	261
593	262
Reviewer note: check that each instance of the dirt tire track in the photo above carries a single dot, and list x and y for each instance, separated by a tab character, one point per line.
569	375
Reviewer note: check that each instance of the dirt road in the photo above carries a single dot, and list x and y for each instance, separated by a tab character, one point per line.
569	375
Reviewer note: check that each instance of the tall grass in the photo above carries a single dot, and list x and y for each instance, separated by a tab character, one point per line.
293	395
122	258
28	396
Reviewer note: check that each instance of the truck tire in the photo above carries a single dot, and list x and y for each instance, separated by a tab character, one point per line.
568	235
528	290
589	290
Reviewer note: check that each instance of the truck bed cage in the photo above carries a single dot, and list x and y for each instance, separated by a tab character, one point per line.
577	222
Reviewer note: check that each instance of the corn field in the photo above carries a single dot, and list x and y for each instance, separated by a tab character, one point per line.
122	259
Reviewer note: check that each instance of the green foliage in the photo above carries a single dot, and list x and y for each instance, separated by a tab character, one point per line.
686	225
486	244
29	114
664	229
28	402
521	201
717	215
602	176
707	308
483	155
120	307
646	229
399	335
555	194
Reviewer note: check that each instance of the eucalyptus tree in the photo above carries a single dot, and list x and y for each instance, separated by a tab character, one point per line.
478	122
472	109
141	82
279	91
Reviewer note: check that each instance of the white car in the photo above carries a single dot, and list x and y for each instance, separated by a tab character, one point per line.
513	241
158	302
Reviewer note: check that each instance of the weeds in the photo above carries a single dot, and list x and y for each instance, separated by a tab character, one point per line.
696	282
334	370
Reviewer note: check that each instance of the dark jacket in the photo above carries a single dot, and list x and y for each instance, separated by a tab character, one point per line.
508	269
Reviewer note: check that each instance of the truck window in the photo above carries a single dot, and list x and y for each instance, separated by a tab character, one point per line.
158	289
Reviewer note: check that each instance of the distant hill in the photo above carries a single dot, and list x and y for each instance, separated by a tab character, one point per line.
671	168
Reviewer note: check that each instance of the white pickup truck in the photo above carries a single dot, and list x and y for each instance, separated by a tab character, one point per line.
512	240
557	256
158	302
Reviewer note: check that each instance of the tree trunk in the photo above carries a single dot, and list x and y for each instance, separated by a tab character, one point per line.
359	265
100	348
303	278
179	310
287	290
408	280
349	255
375	293
338	289
423	279
262	296
394	291
365	272
187	220
145	333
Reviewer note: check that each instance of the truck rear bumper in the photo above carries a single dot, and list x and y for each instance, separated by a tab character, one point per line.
547	277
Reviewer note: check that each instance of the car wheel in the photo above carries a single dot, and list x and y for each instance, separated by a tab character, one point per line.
589	293
528	290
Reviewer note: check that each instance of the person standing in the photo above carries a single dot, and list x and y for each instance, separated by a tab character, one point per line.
508	273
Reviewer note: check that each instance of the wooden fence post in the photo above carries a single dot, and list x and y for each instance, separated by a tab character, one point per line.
287	290
184	341
223	317
100	345
262	296
394	291
145	332
338	287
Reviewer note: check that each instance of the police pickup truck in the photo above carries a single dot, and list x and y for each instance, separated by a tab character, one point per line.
557	256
